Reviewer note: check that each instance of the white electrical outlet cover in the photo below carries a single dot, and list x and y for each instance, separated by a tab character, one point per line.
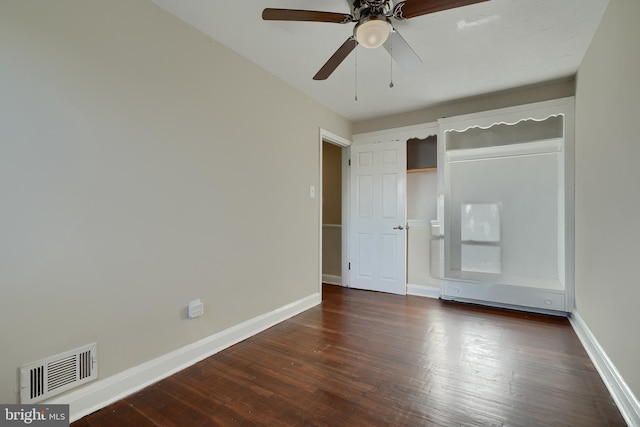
195	309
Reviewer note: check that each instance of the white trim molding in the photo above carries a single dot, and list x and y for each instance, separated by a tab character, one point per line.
331	279
103	392
423	291
622	395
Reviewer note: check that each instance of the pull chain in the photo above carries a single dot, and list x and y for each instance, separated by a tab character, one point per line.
356	74
391	60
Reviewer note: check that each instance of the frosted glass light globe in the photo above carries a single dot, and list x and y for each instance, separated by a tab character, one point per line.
373	32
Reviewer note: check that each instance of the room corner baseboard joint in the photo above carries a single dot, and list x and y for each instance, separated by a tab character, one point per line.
622	395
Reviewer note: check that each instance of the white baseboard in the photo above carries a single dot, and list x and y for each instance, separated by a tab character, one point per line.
331	279
423	291
101	393
624	398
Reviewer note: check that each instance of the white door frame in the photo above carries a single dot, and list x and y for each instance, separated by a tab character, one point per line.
332	138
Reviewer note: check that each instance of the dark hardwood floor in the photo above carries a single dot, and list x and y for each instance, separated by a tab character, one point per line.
373	359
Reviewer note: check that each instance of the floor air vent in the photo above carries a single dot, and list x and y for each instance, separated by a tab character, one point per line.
56	374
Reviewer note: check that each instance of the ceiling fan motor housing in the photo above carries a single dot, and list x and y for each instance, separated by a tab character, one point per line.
364	8
376	3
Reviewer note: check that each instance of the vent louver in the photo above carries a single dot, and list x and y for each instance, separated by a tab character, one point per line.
56	374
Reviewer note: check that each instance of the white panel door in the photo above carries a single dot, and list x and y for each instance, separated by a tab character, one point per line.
378	217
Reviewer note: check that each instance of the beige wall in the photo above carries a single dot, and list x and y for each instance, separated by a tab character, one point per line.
519	96
142	165
332	251
607	194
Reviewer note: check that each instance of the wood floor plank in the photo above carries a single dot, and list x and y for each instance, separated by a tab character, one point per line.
374	359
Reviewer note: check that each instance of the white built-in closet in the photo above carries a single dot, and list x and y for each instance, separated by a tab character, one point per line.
507	215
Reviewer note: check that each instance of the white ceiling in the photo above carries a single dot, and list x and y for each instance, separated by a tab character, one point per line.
468	51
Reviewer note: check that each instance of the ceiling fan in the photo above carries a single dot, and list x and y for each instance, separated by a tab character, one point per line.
373	26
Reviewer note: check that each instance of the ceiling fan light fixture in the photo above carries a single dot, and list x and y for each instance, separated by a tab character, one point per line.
372	31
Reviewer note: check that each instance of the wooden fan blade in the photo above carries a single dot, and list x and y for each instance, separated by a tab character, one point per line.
412	8
401	52
336	59
270	14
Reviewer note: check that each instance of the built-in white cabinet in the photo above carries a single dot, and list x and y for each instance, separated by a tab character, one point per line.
506	214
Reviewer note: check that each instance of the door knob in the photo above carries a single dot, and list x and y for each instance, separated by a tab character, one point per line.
400	227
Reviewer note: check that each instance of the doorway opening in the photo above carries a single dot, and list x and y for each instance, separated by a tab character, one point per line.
333	206
331	213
